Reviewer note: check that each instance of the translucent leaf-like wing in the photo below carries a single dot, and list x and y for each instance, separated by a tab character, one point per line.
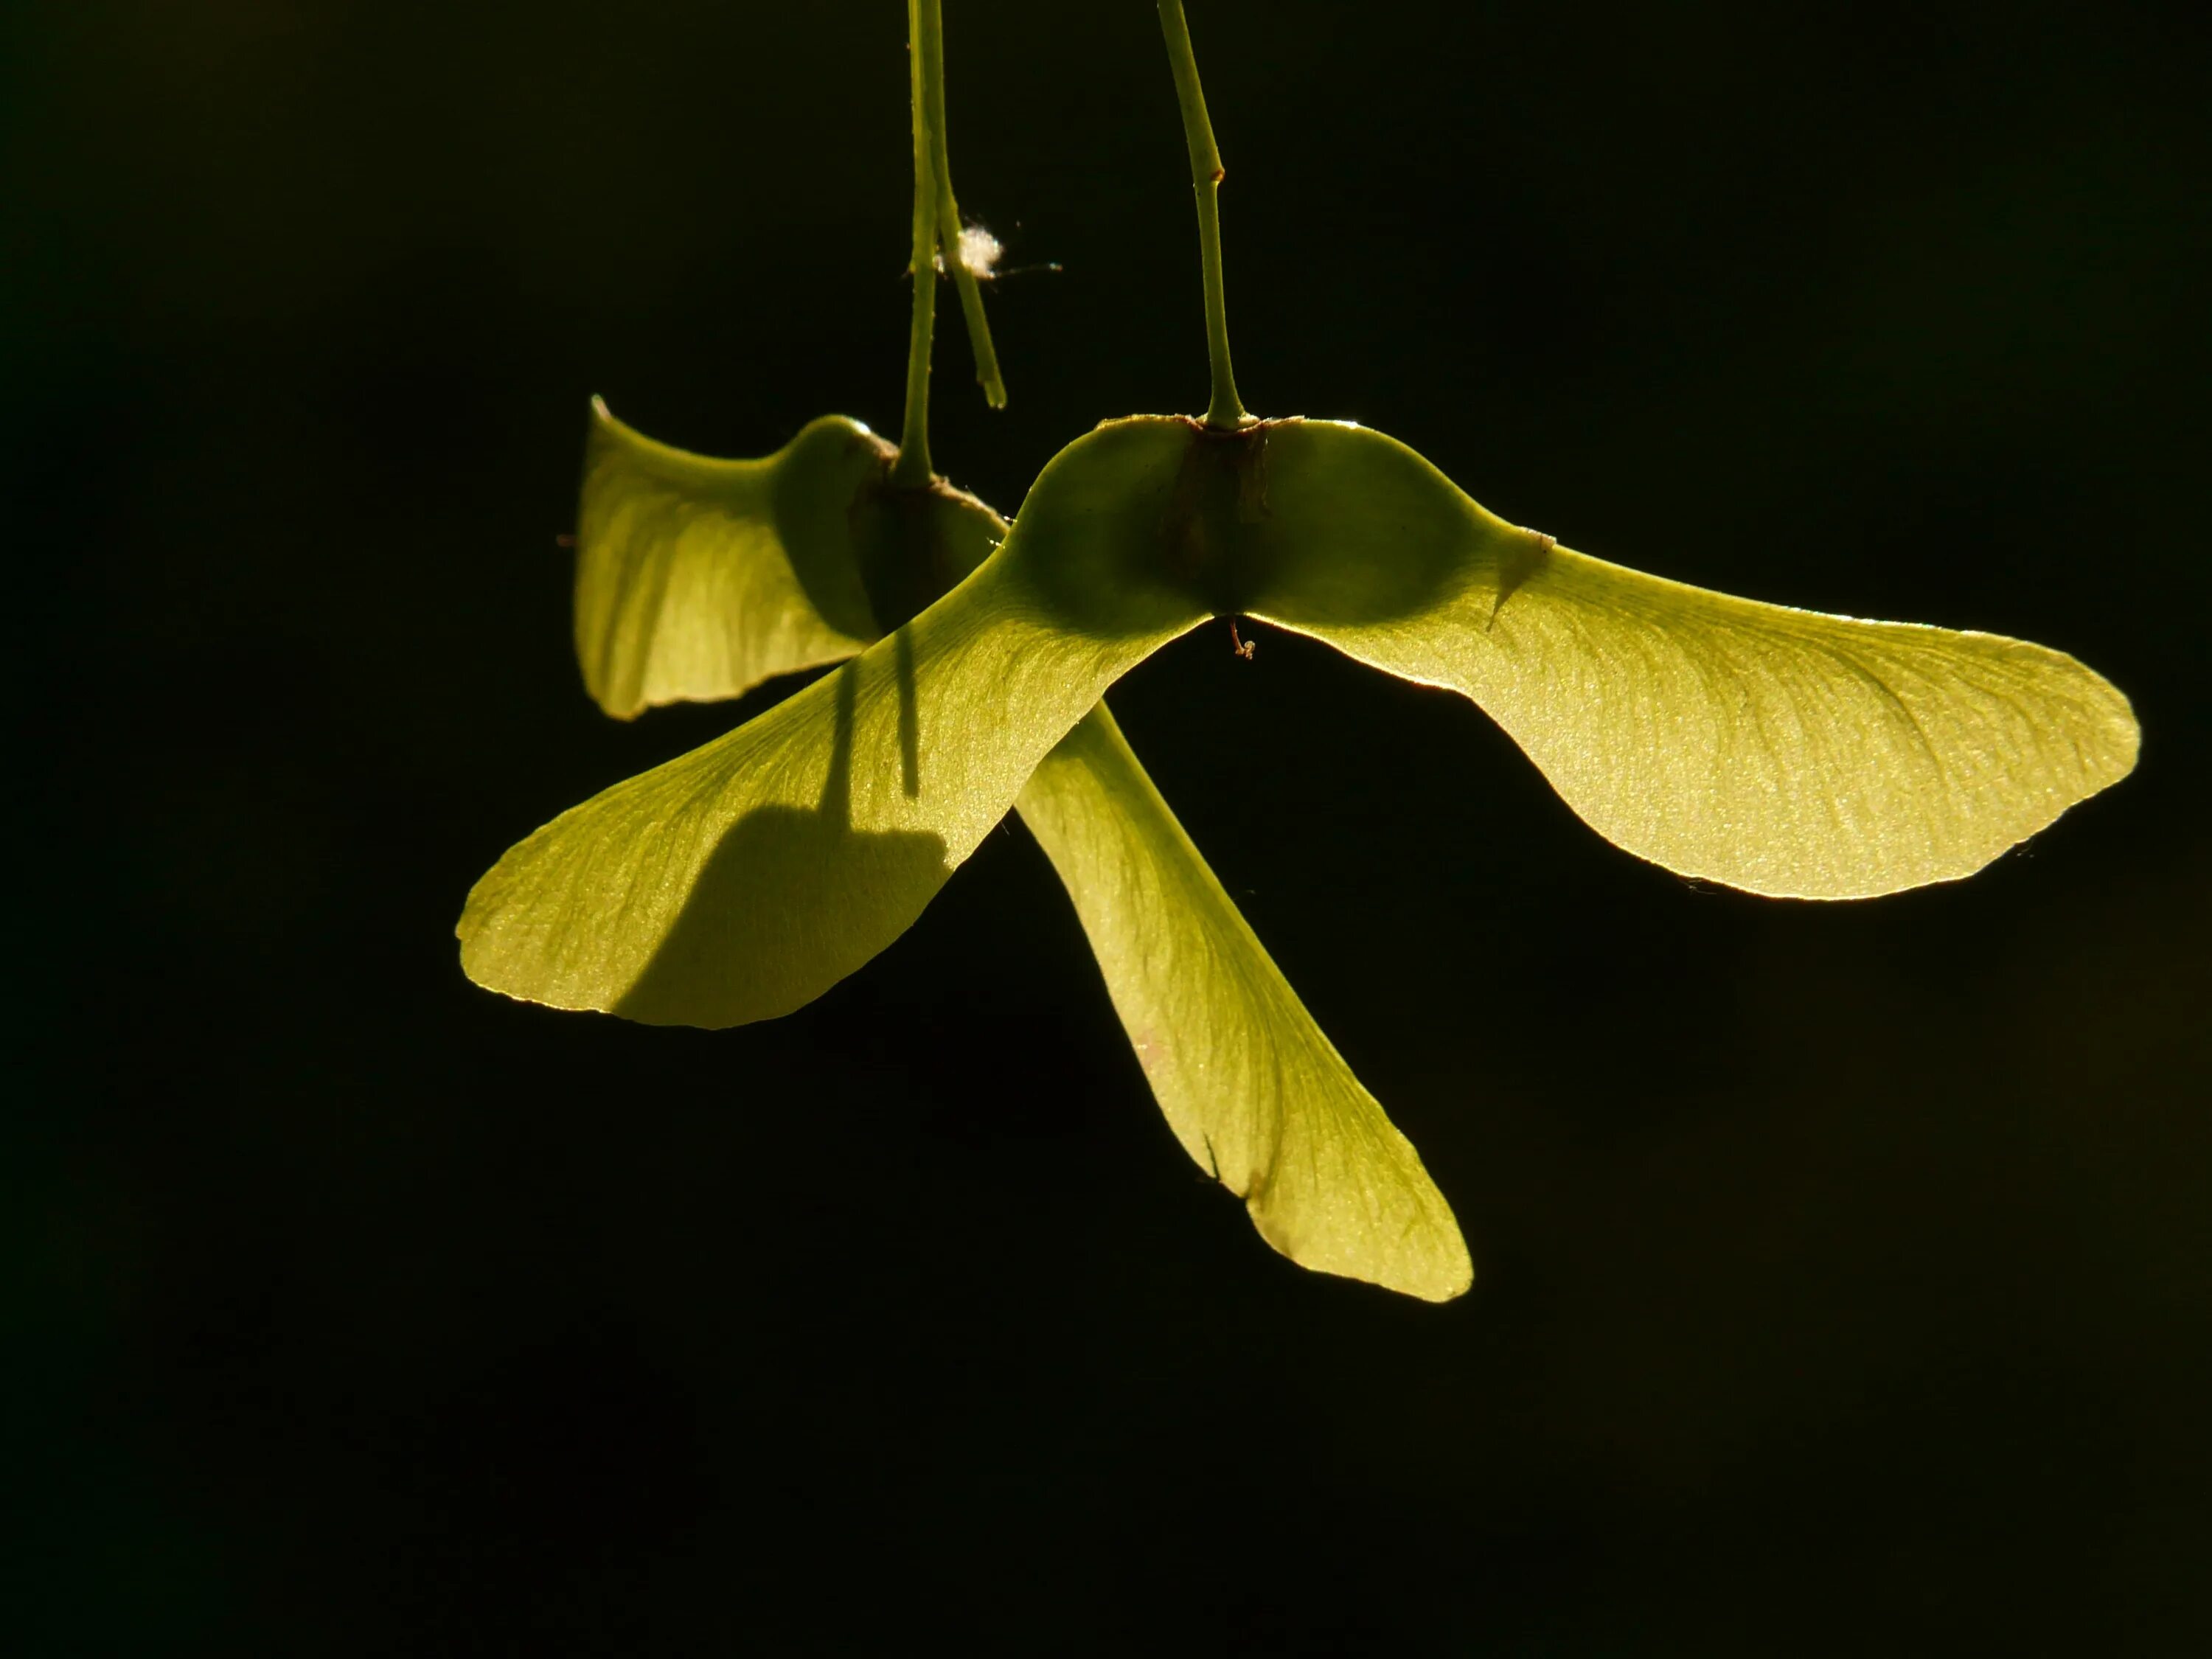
742	880
697	579
1779	750
1254	1093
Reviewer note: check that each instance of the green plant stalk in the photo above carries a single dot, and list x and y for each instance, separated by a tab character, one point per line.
925	45
948	216
1223	412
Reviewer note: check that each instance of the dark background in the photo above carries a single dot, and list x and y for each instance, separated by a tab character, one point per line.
1844	1279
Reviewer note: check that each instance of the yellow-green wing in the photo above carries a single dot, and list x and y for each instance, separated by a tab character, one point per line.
1779	750
740	881
697	579
1254	1093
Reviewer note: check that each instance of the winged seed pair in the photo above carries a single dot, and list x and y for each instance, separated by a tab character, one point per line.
1776	751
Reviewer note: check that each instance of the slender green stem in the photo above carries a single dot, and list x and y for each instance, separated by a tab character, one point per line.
948	225
925	31
1224	411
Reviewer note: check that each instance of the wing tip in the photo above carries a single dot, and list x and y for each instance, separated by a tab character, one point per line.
1428	1261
